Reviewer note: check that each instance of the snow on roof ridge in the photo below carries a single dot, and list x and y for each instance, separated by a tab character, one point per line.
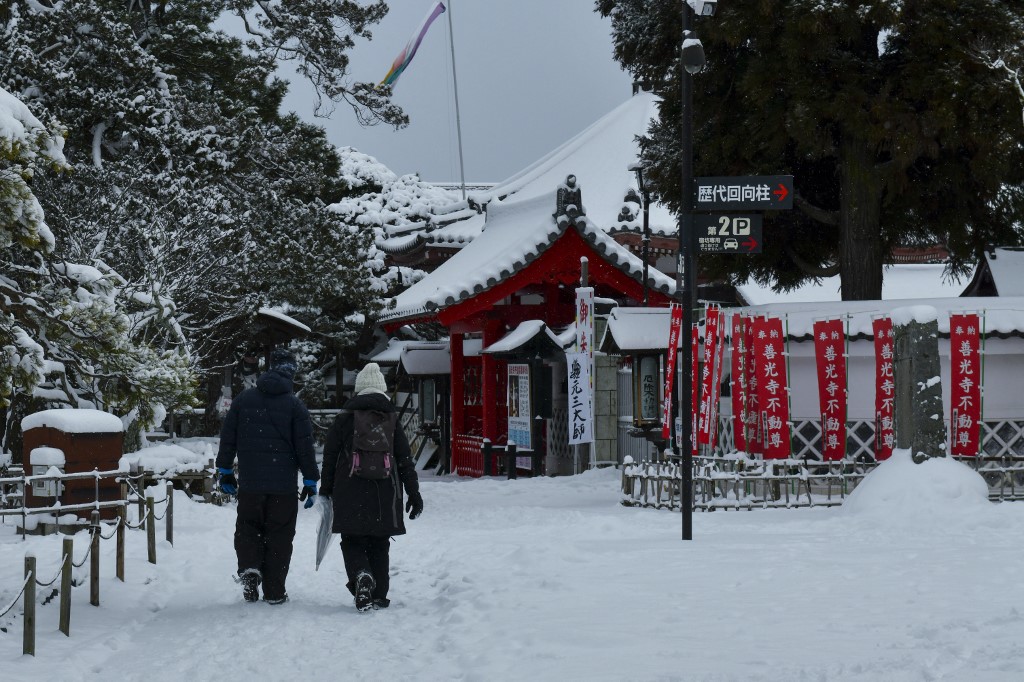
575	141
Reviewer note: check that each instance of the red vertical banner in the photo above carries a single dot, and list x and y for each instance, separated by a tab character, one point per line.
716	382
965	384
707	376
830	357
738	384
752	432
885	387
694	386
772	387
674	330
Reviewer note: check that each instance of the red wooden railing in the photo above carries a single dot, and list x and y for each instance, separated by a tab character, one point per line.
467	455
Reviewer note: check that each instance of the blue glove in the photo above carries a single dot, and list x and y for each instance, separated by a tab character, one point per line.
308	492
228	482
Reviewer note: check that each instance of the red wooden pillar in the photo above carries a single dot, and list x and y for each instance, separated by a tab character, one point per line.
458	385
489	381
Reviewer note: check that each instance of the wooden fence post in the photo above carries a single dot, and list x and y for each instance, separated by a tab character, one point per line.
142	497
119	559
169	514
150	531
68	553
28	645
94	563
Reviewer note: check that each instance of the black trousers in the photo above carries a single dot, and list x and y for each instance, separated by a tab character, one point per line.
264	531
367	554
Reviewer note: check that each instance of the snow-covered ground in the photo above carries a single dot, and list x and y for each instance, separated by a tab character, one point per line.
551	579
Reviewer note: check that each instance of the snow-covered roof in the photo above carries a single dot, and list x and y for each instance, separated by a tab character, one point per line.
636	329
525	332
900	281
1007	268
425	357
74	421
600	157
1002	316
278	315
518	230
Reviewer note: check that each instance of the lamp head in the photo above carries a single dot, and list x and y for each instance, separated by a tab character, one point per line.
703	8
693	53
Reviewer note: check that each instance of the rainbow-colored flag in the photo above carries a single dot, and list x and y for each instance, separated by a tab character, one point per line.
409	51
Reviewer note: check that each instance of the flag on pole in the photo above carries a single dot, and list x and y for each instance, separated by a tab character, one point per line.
409	51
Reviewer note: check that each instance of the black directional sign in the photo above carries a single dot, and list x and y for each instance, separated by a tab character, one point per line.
744	193
720	233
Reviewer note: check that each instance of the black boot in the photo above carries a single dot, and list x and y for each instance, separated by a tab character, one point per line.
364	591
251	585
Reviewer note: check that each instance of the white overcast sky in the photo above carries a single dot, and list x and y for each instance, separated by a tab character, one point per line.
531	74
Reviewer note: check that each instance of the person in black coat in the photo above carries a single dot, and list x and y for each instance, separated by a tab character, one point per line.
269	430
367	512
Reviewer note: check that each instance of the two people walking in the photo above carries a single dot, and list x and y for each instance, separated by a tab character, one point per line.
268	430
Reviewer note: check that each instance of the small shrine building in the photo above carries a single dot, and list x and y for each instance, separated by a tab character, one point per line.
513	287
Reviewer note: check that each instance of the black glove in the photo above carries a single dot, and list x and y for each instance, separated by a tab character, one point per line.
308	490
414	505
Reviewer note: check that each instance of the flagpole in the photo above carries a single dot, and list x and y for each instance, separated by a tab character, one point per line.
455	85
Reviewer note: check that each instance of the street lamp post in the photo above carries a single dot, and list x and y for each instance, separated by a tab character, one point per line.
646	198
691	57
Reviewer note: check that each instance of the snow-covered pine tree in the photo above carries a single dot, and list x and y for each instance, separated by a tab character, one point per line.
896	132
187	180
71	334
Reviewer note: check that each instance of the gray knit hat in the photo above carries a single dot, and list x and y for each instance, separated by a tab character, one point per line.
370	380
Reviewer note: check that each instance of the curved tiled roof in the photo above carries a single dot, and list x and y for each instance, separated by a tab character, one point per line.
516	233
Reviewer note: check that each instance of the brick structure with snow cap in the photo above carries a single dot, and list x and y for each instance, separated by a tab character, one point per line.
73	441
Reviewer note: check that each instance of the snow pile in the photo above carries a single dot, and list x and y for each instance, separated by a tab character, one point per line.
167	459
900	489
74	421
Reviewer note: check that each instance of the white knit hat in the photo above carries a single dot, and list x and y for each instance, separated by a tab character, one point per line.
370	380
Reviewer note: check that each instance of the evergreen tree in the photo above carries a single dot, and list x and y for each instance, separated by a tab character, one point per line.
186	178
894	127
71	334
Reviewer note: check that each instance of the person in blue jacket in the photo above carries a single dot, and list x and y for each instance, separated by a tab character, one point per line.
268	429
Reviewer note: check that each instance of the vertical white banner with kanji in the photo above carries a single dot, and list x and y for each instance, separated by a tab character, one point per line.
581	416
585	320
581	383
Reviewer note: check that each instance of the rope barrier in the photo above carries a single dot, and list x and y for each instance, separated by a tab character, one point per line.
87	553
60	569
16	597
133	526
161	517
113	532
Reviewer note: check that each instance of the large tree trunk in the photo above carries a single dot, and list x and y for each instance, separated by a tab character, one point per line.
860	241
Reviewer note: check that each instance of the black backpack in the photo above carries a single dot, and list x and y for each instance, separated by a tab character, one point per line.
373	434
